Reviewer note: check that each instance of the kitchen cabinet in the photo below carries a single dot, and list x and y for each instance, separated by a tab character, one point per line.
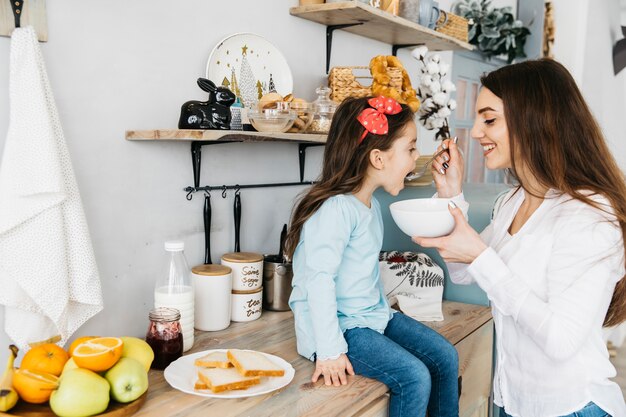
469	327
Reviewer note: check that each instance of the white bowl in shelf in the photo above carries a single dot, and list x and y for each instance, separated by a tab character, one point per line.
272	120
425	217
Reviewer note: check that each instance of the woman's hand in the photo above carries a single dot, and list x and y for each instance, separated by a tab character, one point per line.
463	245
334	370
448	170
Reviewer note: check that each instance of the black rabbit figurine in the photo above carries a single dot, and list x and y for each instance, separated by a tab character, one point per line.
211	114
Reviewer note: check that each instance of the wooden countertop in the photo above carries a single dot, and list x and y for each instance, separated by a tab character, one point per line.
274	333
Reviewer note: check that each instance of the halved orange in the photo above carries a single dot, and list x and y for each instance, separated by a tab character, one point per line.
34	386
98	354
78	341
48	358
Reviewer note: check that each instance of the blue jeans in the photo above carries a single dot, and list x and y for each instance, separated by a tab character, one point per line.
419	366
590	410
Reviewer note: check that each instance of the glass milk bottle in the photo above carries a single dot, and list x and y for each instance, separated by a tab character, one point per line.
174	290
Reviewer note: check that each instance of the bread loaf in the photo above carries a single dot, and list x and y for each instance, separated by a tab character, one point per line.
269	101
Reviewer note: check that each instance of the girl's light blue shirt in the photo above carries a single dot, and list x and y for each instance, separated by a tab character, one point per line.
336	283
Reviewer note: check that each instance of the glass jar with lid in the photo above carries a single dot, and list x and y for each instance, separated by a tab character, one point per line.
323	111
165	336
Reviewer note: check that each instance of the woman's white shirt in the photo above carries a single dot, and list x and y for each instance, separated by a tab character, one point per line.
550	285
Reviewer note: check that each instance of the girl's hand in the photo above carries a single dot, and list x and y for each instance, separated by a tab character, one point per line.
449	184
463	245
334	370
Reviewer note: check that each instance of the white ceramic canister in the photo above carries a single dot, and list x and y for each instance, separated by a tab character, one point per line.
247	305
247	270
212	288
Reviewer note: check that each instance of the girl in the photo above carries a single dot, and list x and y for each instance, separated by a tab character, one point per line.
343	320
552	260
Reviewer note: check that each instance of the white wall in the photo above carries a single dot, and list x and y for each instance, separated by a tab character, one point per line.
585	34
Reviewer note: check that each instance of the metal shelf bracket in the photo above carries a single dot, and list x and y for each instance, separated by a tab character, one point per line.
329	39
196	157
394	48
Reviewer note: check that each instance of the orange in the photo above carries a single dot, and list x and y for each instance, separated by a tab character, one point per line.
78	342
98	354
48	358
34	386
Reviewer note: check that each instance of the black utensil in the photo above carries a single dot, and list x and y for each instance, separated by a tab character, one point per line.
283	236
207	229
237	212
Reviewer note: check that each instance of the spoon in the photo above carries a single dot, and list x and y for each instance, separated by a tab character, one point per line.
422	171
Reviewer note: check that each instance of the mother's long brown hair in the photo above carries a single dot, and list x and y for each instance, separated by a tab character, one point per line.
345	161
555	136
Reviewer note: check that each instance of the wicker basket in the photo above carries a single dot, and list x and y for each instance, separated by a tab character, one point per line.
343	82
452	25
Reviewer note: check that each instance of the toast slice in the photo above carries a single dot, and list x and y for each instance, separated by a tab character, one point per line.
250	363
214	360
221	379
199	385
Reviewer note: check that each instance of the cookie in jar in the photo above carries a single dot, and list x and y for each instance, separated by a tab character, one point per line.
304	110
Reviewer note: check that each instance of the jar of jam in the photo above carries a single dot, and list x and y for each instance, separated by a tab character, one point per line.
165	336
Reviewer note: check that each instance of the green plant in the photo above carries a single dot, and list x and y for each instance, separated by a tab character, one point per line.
495	31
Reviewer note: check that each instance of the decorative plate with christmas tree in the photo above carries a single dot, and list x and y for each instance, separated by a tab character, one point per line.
250	66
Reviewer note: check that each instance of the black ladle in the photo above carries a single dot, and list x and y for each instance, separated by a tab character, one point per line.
207	229
237	212
283	236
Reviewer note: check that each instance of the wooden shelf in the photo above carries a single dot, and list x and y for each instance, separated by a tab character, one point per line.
378	24
223	136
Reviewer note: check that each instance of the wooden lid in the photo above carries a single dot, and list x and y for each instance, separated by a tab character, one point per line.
247	292
211	270
242	257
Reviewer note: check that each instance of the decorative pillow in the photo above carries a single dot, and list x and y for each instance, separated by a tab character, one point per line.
414	282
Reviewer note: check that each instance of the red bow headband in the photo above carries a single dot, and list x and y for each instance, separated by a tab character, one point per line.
373	118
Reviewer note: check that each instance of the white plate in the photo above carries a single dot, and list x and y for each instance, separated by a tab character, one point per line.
263	60
181	374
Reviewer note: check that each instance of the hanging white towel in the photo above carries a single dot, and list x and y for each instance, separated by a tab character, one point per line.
49	282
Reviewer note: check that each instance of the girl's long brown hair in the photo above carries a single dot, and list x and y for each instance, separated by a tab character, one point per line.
555	137
345	161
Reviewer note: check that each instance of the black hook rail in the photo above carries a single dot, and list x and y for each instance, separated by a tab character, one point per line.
237	187
17	5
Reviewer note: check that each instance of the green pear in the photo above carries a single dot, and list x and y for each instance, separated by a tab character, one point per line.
138	349
81	393
128	380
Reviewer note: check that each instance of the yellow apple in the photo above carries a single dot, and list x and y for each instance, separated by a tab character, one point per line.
138	349
128	380
69	365
81	393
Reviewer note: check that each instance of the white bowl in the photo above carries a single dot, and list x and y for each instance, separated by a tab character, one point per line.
425	217
272	120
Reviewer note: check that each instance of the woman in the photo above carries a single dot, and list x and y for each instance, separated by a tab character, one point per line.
552	261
